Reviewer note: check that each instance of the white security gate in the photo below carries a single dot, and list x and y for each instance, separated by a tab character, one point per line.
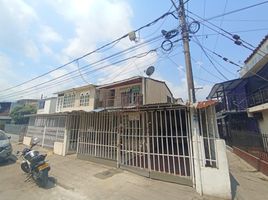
152	142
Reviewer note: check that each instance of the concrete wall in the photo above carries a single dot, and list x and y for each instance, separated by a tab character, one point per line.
212	181
156	92
263	124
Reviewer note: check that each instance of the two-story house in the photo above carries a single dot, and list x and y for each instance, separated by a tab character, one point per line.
63	125
75	99
134	91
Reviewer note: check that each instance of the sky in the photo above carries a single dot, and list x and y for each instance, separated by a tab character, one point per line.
39	36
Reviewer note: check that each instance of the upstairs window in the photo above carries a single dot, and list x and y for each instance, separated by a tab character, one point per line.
68	100
84	99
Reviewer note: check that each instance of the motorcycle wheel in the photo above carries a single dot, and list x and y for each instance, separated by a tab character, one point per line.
25	167
43	179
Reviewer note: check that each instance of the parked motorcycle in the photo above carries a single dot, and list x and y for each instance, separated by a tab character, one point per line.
35	165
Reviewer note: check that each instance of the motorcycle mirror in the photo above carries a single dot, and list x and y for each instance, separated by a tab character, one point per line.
35	141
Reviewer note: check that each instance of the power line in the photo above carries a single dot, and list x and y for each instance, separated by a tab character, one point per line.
140	55
237	10
104	59
175	64
94	51
235	38
60	82
216	42
200	45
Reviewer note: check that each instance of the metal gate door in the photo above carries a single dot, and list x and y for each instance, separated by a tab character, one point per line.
156	144
98	137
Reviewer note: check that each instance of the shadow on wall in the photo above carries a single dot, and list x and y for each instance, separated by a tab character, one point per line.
234	185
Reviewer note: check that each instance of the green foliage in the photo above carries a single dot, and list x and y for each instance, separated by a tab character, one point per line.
19	112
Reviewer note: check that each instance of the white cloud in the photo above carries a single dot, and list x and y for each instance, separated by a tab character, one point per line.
94	21
48	34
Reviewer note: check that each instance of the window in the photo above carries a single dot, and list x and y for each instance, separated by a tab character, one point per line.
41	104
59	103
84	99
68	100
169	99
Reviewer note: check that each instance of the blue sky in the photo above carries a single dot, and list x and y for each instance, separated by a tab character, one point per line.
38	36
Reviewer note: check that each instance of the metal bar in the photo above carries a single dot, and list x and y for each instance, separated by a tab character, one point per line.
182	138
132	142
152	131
177	140
148	142
163	152
157	138
136	141
208	137
140	132
167	145
171	139
143	138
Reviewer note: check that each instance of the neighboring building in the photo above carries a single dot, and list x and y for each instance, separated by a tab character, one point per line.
47	106
134	91
242	111
80	98
24	102
4	113
257	62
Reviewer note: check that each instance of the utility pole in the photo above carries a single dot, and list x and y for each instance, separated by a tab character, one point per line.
185	39
195	154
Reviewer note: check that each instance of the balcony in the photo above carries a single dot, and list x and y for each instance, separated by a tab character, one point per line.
258	98
126	100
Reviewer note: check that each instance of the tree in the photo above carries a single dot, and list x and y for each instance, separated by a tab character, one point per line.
19	112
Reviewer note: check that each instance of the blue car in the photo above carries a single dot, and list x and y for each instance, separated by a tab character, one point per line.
5	146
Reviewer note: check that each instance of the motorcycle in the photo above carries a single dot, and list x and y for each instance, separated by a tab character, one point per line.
35	165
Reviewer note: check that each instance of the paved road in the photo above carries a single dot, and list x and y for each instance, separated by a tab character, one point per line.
82	180
247	183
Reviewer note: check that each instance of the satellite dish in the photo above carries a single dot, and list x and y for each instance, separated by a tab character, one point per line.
149	71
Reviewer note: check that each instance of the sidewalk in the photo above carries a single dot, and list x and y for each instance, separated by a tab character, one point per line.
87	180
247	183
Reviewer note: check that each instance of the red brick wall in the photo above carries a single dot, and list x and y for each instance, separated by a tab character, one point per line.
255	162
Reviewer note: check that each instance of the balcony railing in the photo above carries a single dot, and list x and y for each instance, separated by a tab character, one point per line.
123	101
258	98
238	102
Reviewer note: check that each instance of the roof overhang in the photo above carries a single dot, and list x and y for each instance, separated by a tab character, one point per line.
227	86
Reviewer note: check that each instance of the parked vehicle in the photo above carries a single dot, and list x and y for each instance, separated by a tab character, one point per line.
5	146
35	165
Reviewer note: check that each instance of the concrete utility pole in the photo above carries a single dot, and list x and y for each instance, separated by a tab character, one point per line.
185	39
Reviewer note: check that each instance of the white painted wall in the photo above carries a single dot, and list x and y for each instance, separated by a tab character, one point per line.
50	106
212	181
263	124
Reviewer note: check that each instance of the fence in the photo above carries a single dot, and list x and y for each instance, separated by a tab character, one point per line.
251	142
48	129
209	132
151	142
47	135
